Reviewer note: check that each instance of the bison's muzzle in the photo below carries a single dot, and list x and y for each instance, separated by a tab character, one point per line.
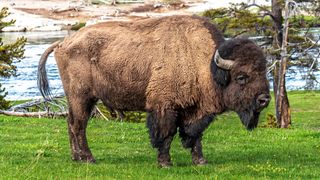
263	101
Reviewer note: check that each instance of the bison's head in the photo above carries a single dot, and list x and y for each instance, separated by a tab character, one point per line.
239	67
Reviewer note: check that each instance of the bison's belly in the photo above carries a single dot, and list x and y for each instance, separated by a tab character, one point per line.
121	89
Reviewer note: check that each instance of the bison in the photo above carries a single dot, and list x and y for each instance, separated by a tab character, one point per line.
178	69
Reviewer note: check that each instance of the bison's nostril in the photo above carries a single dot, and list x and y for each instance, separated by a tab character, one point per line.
263	100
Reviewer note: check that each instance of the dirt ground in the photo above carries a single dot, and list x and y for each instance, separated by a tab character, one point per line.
80	10
52	15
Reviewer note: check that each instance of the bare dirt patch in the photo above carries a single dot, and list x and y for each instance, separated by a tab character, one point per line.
160	8
51	14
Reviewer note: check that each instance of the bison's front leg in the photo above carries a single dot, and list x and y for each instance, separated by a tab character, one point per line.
162	128
79	113
191	136
196	152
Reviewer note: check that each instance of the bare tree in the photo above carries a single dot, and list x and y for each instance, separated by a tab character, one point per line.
280	43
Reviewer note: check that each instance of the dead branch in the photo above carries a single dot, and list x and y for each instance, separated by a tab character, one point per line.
27	104
99	111
71	8
240	33
256	5
266	11
31	103
34	114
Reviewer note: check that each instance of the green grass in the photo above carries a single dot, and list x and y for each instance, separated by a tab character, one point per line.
32	148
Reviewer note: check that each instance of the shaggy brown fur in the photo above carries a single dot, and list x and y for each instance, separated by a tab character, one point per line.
163	66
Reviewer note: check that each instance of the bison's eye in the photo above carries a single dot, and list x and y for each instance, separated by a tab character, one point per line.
242	79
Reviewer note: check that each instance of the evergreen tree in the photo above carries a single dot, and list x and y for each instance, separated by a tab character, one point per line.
9	54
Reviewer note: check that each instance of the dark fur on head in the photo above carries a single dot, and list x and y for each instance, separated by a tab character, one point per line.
250	62
220	76
244	51
231	49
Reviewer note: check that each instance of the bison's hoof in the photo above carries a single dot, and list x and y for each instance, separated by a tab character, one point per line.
165	164
200	161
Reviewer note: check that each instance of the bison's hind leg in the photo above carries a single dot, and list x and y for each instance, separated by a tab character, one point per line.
80	109
191	136
162	128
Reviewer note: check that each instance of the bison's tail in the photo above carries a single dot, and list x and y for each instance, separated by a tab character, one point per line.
43	83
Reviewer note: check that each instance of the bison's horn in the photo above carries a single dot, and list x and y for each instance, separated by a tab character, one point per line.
223	63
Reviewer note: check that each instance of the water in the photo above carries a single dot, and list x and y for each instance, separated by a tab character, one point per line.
24	86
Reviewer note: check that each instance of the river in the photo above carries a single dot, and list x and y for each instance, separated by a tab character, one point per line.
24	86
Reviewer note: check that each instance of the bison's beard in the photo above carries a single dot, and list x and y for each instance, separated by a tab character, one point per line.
249	118
249	115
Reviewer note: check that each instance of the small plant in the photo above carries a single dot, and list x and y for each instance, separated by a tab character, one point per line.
3	104
135	117
4	13
130	116
78	26
271	121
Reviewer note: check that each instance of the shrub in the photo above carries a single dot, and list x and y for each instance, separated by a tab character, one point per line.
9	54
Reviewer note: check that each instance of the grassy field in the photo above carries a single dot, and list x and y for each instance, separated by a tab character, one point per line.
32	148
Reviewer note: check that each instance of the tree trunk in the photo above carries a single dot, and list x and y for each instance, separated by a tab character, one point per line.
279	86
277	39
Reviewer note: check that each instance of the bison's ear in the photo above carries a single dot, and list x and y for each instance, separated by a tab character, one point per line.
220	76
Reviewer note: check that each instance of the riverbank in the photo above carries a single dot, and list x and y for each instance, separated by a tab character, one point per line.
56	15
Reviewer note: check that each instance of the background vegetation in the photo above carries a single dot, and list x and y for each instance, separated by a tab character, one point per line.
33	148
9	54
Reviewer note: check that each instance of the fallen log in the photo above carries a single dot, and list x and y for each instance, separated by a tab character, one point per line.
71	8
27	104
32	103
46	108
34	114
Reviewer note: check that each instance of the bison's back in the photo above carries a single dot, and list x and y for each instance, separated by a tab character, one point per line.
148	62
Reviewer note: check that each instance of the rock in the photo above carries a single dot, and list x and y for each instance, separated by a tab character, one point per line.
47	28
